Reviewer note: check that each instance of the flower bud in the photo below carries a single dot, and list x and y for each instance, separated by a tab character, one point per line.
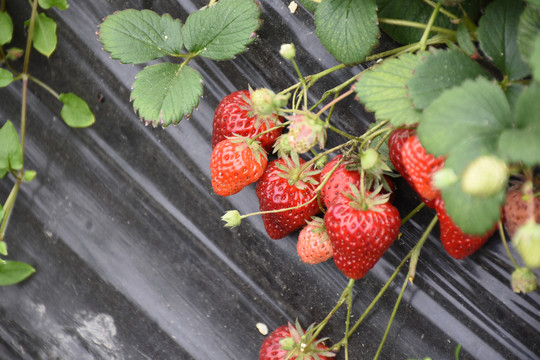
287	51
232	218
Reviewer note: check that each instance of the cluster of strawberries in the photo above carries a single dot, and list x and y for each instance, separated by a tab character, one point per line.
358	225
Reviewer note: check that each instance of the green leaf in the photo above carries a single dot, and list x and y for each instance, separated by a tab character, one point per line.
473	215
512	93
44	39
464	39
521	143
13	272
440	71
60	4
75	111
10	149
310	5
528	30
6	77
535	59
462	124
223	30
134	36
474	113
6	28
165	93
347	28
417	11
497	33
382	89
534	2
3	245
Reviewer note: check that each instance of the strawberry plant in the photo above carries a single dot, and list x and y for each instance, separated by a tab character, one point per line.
455	113
15	71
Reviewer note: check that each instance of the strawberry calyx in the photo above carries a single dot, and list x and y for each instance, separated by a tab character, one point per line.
245	142
299	345
297	175
368	201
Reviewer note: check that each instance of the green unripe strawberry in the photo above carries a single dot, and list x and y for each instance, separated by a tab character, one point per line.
524	280
527	243
485	176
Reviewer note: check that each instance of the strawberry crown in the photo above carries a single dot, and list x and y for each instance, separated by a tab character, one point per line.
255	147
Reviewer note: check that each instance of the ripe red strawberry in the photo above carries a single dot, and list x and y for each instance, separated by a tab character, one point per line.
235	115
341	180
413	163
235	163
313	245
361	231
288	342
456	243
284	185
395	145
516	210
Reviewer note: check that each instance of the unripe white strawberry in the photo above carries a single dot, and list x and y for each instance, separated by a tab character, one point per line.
485	176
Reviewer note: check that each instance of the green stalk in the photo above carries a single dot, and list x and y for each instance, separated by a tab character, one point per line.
394	311
505	243
417	25
8	206
442	10
429	27
413	212
370	307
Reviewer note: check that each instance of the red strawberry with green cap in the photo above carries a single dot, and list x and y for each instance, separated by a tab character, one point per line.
313	244
456	243
395	144
235	163
346	173
235	115
287	183
291	342
361	229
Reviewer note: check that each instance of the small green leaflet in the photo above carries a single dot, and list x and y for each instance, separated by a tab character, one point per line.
75	111
528	30
6	28
164	93
60	4
382	89
497	33
10	149
44	39
522	143
134	36
462	124
13	272
440	71
6	77
347	28
464	39
223	30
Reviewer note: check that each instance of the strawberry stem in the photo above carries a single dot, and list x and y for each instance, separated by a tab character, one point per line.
429	26
392	316
505	243
385	287
413	212
335	101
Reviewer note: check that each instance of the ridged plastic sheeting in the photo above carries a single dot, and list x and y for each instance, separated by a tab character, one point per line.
133	261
